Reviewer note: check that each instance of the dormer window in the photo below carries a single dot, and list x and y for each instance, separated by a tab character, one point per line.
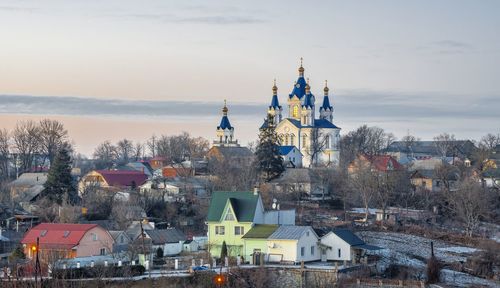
43	233
66	234
229	215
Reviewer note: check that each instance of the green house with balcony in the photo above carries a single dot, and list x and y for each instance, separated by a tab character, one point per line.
232	214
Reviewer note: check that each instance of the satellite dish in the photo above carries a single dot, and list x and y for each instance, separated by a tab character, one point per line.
274	200
274	205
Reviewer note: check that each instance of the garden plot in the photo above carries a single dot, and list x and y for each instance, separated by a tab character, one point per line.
413	251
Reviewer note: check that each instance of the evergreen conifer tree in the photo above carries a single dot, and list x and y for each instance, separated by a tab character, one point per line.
223	251
59	181
269	163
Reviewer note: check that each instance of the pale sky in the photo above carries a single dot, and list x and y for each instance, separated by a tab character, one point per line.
423	66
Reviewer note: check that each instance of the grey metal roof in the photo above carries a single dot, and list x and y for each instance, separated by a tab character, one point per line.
30	179
290	232
162	236
30	194
349	237
465	147
235	151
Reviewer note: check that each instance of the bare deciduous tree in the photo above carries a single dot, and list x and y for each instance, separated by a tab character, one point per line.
318	141
124	150
4	154
470	203
52	136
444	143
26	137
364	184
180	147
366	140
390	184
409	141
228	175
105	155
151	144
490	141
138	151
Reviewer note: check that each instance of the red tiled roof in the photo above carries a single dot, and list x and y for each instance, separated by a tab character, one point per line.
56	234
123	178
381	162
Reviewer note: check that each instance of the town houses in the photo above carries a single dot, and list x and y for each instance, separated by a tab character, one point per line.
302	197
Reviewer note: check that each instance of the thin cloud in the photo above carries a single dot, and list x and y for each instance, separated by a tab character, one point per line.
17	9
219	20
349	105
51	105
447	46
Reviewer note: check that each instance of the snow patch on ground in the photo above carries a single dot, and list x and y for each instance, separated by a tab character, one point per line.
459	279
413	251
458	250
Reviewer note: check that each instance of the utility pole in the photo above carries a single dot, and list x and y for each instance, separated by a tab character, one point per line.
144	249
37	262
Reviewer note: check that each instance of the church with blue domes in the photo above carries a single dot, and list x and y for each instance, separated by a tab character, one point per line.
316	138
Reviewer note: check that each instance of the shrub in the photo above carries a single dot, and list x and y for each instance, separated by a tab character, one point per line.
433	270
98	272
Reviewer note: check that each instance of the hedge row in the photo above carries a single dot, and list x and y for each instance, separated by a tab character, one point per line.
99	272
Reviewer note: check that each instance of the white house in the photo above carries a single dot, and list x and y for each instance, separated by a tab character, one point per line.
293	244
291	156
170	240
343	245
190	246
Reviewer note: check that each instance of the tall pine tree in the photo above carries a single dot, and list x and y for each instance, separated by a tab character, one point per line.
269	162
59	181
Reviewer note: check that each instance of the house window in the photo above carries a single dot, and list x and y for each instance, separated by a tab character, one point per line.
219	230
340	254
302	251
229	215
239	230
102	252
122	239
307	233
424	183
312	250
94	237
438	183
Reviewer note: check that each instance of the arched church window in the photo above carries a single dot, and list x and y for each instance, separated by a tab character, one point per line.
292	140
304	140
286	139
327	141
280	138
295	113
